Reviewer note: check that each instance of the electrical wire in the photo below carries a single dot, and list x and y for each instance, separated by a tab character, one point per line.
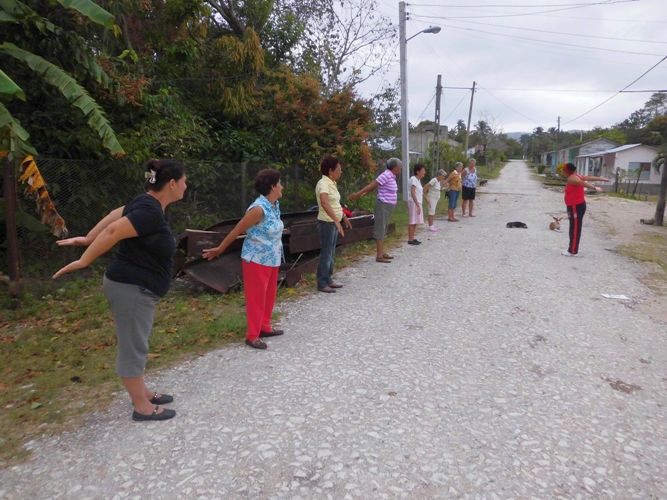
617	93
507	105
500	89
548	42
562	33
511	6
522	14
457	106
421	115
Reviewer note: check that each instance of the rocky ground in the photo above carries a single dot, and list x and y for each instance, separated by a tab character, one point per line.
479	364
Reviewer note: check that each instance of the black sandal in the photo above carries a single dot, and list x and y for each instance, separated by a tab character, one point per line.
165	414
161	399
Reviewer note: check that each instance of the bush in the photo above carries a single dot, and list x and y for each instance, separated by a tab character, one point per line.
541	168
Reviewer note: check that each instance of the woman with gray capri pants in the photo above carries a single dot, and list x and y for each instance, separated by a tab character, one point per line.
139	274
387	197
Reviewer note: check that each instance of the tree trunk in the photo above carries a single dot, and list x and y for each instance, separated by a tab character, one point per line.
9	195
660	207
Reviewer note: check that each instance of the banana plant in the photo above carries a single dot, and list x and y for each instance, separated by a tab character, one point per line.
15	143
14	140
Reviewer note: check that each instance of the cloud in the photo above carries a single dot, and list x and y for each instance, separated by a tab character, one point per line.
522	82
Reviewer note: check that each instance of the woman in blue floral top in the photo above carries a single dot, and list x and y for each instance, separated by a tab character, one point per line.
260	256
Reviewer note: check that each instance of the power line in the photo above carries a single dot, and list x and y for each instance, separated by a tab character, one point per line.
500	89
608	2
562	33
508	106
532	13
421	115
548	42
457	106
651	91
620	91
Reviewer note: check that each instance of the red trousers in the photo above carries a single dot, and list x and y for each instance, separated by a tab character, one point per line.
260	284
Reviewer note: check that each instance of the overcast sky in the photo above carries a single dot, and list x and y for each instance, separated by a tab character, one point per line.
538	73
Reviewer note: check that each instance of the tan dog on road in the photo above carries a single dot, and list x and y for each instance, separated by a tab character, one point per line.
555	224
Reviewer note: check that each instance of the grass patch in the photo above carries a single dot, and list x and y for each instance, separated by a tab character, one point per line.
58	349
490	171
651	247
625	196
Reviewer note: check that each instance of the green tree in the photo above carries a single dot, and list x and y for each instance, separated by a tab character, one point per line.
21	26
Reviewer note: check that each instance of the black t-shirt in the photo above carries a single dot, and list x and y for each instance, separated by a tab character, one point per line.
146	260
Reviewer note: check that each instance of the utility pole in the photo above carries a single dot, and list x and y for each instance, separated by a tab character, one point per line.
436	139
472	97
557	141
405	137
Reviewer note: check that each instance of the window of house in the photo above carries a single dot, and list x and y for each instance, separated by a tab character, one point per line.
645	168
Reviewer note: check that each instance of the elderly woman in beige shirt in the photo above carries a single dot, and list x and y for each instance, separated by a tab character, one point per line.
330	221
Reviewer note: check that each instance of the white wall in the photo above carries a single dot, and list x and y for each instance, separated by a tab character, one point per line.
641	154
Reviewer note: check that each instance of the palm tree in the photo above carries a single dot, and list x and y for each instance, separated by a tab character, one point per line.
15	143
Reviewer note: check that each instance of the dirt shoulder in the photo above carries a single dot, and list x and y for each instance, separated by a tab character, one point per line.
619	219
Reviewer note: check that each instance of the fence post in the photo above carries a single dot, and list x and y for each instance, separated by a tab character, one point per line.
244	187
9	195
616	183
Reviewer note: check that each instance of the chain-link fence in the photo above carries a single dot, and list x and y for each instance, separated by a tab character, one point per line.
83	191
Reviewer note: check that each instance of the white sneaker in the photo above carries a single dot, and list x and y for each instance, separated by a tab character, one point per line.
432	229
567	253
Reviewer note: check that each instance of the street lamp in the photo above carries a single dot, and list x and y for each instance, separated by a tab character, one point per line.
430	29
405	141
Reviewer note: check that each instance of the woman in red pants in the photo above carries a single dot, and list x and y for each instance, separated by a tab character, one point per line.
575	203
260	256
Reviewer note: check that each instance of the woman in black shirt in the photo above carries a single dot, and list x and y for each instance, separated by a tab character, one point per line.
139	274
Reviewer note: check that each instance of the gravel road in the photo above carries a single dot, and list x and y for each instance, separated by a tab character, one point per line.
480	364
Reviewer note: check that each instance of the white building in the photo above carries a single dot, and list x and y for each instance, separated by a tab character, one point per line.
629	161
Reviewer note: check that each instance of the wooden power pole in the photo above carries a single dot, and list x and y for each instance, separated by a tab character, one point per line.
436	139
472	97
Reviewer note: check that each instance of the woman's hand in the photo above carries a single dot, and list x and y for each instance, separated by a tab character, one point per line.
354	196
72	266
347	222
77	241
419	208
339	228
210	253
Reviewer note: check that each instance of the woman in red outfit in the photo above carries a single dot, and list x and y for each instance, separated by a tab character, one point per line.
575	203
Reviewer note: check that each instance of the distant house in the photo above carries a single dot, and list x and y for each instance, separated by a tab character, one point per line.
421	139
629	161
570	154
590	147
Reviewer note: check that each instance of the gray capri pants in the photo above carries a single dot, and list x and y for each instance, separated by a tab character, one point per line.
383	213
133	308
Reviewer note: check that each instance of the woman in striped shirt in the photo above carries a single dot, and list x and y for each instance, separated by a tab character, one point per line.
387	197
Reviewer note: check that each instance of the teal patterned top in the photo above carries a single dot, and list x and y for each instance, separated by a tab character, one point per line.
263	244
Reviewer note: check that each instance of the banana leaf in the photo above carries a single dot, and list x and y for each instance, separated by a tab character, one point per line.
73	92
91	10
24	220
14	139
9	88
